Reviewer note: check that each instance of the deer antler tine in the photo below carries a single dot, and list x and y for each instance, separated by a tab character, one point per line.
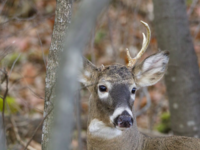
144	39
130	60
128	54
145	43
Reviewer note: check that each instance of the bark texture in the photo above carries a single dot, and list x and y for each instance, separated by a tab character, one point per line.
2	135
183	79
62	21
77	37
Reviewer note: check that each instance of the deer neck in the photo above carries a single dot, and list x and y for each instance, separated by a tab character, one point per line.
109	137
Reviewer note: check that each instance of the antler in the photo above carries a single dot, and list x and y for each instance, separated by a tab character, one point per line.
146	41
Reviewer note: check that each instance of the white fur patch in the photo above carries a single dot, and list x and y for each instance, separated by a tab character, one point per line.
82	80
132	95
119	111
87	74
99	129
104	95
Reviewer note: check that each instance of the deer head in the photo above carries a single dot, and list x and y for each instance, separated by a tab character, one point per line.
113	88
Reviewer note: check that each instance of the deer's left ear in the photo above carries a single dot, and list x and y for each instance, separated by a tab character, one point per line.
151	70
88	71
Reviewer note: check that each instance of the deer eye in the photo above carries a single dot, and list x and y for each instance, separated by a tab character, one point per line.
102	88
133	90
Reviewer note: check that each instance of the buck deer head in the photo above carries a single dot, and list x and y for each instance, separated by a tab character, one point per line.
113	89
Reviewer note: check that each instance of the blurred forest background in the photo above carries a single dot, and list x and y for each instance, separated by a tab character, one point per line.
26	27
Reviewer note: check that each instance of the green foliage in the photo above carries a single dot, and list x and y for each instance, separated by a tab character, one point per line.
10	106
164	126
11	58
188	2
100	34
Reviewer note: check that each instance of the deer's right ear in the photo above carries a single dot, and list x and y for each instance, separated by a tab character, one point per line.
88	71
151	70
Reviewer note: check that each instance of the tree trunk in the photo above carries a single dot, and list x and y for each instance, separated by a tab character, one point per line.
62	21
67	86
183	79
2	135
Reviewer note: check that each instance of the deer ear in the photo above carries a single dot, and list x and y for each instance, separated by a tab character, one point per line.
151	70
88	71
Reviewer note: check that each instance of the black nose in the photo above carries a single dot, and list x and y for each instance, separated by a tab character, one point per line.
124	120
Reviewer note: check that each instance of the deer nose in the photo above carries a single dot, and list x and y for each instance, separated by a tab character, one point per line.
124	120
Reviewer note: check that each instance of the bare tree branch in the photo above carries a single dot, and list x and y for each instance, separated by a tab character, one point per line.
145	108
14	64
5	95
2	120
18	136
27	145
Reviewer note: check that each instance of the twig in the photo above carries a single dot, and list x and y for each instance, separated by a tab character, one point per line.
42	49
18	136
37	129
5	52
194	2
92	46
111	38
141	95
38	96
14	64
42	120
87	86
144	109
2	6
4	96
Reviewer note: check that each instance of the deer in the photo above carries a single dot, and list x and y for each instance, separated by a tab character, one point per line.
111	121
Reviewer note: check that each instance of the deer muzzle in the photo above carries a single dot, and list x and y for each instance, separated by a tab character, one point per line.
124	120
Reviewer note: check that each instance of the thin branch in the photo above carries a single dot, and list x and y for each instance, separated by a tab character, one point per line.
2	6
38	96
145	108
137	5
2	134
92	47
4	96
5	52
14	64
42	120
42	49
193	5
37	129
18	136
110	26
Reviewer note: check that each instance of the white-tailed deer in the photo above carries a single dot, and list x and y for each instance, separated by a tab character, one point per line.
111	123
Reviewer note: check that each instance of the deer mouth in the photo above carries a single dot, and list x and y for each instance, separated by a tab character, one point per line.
123	121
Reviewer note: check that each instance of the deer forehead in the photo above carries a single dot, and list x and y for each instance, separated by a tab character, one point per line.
116	74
